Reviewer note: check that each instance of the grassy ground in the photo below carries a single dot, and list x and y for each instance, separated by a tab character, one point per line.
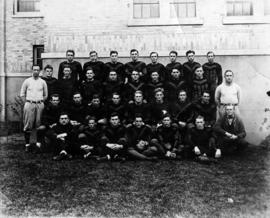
34	185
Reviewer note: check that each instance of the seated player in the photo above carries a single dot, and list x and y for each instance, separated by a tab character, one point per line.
62	137
173	65
89	138
205	108
133	85
96	109
112	85
139	138
152	85
52	82
158	108
49	118
77	109
168	139
181	113
115	105
90	86
138	106
113	141
116	66
174	84
230	132
154	66
199	84
201	142
67	86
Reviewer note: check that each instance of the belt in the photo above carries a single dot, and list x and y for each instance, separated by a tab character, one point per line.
228	104
34	102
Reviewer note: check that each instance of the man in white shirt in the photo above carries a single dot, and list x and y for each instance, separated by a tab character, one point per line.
227	93
34	92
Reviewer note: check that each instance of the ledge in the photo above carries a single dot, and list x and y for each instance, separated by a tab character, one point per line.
165	22
246	20
28	15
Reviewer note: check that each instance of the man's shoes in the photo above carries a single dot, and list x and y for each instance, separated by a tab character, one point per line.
38	144
27	147
87	156
107	157
63	155
203	159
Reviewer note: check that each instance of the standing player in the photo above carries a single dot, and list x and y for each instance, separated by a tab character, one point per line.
189	67
116	66
154	66
52	82
34	91
75	67
173	65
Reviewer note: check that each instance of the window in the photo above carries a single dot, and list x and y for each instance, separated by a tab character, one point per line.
239	8
37	50
183	8
28	5
145	9
266	7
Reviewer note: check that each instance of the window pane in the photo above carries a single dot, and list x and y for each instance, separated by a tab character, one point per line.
182	10
28	5
229	9
191	9
173	10
247	8
154	10
238	9
137	11
146	11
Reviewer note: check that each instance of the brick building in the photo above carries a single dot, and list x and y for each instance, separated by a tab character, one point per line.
238	31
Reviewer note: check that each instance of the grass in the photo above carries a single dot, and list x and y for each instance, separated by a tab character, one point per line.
34	185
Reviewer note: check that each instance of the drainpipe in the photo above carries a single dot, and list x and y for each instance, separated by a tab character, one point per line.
3	60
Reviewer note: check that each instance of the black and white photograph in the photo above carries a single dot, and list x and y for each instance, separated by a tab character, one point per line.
135	108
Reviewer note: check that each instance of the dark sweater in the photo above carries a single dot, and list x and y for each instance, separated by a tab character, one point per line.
137	66
158	67
213	73
99	69
76	70
188	70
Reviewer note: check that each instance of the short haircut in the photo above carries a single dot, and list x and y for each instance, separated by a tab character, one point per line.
138	115
134	50
93	52
95	96
89	68
35	65
113	52
55	96
189	52
72	51
153	52
116	93
64	113
138	92
210	52
114	114
159	90
228	71
87	118
182	90
48	66
199	117
206	92
66	66
77	93
197	67
173	52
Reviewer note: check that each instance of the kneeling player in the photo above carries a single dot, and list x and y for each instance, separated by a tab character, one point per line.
201	141
62	137
89	138
168	139
113	140
139	140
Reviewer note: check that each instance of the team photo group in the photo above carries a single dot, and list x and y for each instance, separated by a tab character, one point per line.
119	111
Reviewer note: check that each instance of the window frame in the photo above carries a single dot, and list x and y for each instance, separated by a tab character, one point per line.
142	9
164	19
37	59
22	14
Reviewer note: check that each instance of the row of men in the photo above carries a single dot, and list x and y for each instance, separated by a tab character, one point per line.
137	140
103	79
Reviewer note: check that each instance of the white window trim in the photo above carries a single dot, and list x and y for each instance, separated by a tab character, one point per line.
258	16
164	19
18	14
